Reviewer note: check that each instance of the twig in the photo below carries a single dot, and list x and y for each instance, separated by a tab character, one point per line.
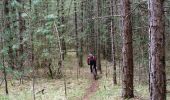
2	82
41	91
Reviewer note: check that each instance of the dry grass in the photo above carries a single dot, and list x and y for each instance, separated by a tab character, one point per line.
76	88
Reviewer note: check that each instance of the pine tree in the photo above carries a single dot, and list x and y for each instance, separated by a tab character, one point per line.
127	51
157	74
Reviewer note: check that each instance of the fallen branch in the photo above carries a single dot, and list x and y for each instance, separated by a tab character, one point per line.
41	91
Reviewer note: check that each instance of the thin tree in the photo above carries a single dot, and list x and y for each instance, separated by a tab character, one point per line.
112	35
3	59
21	27
63	48
98	36
81	39
76	34
127	51
90	26
157	73
61	57
32	52
8	31
63	45
4	69
76	31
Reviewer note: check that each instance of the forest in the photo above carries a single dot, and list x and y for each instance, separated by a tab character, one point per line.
84	49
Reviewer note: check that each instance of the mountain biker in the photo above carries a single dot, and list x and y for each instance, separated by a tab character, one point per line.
91	60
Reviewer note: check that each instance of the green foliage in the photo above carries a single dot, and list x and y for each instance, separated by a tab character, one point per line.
15	46
50	17
16	4
4	51
36	2
1	66
42	31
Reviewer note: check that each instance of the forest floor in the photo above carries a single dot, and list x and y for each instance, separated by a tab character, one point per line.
92	89
83	87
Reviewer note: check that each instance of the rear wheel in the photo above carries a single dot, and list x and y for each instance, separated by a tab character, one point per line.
94	74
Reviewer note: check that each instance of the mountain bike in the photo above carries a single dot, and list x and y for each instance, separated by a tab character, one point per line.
94	73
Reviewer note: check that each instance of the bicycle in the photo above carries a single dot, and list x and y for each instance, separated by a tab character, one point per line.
94	72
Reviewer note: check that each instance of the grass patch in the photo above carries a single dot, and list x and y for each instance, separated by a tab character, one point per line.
107	91
54	90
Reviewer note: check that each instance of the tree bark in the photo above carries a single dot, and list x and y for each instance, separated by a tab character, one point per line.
76	31
112	35
91	38
3	58
98	36
81	39
21	30
157	74
127	51
4	70
32	52
8	30
61	58
63	44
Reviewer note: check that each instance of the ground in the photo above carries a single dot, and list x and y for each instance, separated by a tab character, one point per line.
83	87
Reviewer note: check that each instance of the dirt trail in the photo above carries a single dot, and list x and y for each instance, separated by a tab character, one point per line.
91	90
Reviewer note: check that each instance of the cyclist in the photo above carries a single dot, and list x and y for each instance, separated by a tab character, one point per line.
91	60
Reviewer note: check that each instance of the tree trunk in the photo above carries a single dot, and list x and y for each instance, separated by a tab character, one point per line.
90	25
61	57
112	35
63	44
81	40
32	53
4	69
98	37
21	30
8	30
127	51
3	58
76	31
157	74
109	27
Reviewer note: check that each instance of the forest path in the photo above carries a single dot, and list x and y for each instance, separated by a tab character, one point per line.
91	90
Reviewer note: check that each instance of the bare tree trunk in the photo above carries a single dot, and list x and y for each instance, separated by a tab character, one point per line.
32	53
62	41
63	44
61	57
77	38
81	39
157	74
32	64
3	58
91	39
76	31
4	69
109	27
98	37
21	30
127	51
112	34
7	29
